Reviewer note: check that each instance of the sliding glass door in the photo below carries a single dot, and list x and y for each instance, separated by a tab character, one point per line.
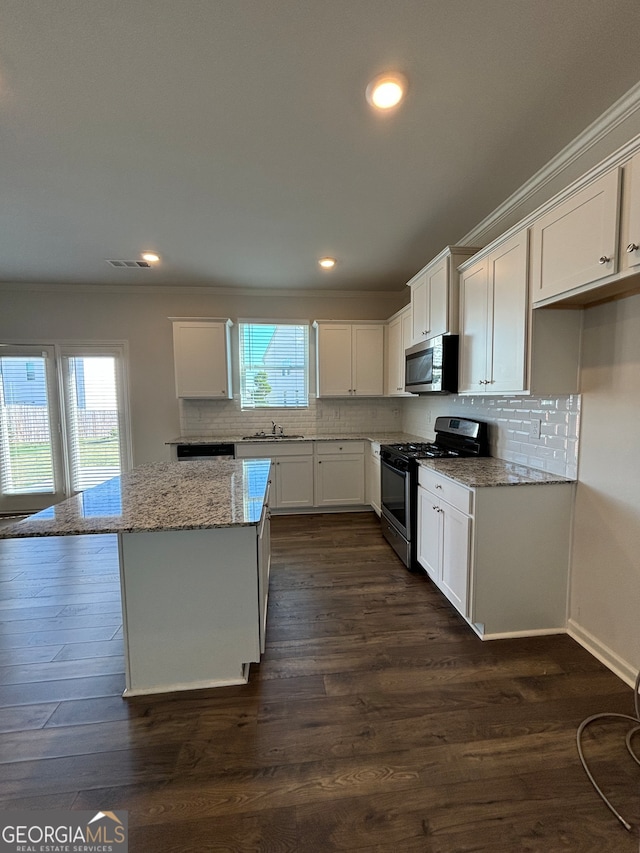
63	422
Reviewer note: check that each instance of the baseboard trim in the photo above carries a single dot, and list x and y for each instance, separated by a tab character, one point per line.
512	635
622	668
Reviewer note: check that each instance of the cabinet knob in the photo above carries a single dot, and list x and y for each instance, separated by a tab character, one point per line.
435	507
632	247
603	259
438	486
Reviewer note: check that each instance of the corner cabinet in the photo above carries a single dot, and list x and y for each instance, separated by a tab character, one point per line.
201	358
398	338
434	295
500	554
349	359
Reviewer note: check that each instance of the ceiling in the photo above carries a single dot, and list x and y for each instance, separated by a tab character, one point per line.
233	136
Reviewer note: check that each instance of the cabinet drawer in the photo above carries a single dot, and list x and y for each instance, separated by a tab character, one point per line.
273	449
442	487
330	448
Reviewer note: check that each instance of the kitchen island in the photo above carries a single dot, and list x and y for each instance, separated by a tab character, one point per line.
193	542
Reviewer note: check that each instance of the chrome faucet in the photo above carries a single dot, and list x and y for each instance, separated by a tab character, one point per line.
275	429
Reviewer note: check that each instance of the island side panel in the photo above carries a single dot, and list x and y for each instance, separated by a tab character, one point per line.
190	608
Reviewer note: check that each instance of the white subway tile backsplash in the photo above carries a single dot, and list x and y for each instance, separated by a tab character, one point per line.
336	416
510	418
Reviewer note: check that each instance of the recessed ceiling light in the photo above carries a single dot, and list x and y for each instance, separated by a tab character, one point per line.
151	257
327	263
386	90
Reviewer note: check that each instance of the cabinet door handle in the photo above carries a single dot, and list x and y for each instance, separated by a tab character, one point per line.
632	247
438	486
603	259
436	508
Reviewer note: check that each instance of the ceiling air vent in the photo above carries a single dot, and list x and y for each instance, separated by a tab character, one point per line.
130	264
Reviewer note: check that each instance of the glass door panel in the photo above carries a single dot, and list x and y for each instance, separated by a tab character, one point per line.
93	415
30	475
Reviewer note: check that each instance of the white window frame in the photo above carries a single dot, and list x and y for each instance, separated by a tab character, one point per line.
273	322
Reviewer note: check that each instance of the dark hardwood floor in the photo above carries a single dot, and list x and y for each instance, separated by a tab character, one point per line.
377	720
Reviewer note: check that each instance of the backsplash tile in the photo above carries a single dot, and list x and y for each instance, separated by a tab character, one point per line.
556	451
336	416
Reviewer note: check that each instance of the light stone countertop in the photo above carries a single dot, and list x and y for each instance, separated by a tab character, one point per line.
159	496
488	471
381	438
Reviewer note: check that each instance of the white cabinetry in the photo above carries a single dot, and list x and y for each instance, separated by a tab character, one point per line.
576	242
292	470
434	295
373	477
500	554
399	336
493	320
505	348
350	359
630	236
201	357
339	473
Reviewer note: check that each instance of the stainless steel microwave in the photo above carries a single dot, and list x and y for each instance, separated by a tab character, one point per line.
431	367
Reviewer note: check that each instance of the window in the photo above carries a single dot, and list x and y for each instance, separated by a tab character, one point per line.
274	365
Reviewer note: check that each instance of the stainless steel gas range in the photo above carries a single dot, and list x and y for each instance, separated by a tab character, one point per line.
455	438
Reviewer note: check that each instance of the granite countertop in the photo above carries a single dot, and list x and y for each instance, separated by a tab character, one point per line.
381	437
159	496
489	471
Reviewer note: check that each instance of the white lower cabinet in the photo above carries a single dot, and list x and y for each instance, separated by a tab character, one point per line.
339	473
292	470
308	474
294	481
500	554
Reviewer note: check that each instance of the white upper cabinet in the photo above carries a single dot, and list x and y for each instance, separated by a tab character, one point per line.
399	336
630	232
505	347
576	242
493	320
350	359
201	358
434	295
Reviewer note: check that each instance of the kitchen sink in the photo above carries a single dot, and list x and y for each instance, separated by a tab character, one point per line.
263	437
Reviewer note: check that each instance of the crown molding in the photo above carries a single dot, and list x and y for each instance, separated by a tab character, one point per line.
191	290
617	113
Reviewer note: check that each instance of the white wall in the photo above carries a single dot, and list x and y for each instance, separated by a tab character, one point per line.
68	313
605	577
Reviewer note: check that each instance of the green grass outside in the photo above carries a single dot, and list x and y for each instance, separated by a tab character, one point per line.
31	456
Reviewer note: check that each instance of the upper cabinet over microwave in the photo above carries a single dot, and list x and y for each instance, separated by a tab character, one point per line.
434	294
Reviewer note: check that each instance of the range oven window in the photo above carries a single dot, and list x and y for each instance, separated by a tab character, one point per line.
393	489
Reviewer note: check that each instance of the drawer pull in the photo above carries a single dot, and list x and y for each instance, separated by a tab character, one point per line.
632	247
603	259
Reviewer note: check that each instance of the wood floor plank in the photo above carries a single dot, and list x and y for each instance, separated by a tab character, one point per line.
377	721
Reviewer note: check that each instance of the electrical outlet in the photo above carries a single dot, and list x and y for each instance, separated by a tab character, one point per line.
534	427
